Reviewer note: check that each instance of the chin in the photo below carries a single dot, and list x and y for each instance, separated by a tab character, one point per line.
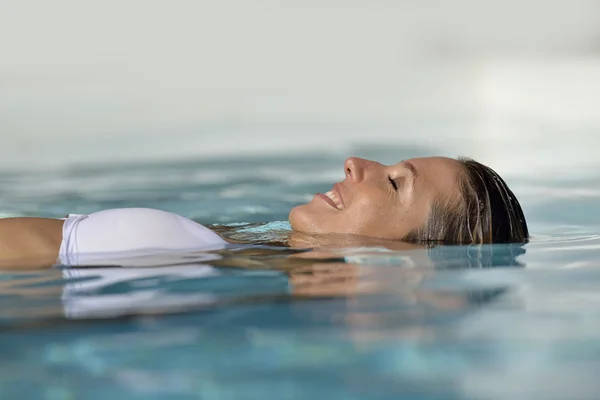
300	220
293	217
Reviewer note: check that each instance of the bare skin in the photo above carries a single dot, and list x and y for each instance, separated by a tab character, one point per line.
380	201
28	243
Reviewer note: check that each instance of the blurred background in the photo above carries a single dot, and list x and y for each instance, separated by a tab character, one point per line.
87	87
514	83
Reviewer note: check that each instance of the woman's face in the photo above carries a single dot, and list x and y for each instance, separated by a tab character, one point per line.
376	200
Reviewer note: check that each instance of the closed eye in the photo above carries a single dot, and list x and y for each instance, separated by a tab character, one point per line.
394	184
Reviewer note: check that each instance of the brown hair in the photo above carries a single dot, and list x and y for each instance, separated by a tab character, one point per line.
486	211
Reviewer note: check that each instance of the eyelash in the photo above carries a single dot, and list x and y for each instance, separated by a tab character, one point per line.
394	184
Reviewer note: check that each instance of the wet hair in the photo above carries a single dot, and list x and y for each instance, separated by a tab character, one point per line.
486	211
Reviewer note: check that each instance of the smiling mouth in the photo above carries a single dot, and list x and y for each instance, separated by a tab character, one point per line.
333	200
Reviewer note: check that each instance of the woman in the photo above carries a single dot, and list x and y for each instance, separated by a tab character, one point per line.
422	200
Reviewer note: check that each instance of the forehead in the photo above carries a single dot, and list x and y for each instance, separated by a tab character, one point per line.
437	175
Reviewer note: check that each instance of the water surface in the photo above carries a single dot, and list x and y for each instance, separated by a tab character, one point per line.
457	322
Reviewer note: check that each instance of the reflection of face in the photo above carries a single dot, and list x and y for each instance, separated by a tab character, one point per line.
367	203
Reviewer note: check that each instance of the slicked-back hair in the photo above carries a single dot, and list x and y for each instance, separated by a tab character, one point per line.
486	211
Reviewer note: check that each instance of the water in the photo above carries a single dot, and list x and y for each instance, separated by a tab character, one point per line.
465	322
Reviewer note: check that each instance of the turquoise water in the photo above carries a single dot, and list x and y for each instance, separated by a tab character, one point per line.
465	322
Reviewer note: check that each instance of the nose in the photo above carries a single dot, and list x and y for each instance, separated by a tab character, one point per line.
355	169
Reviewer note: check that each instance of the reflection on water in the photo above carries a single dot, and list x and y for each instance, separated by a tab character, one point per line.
349	319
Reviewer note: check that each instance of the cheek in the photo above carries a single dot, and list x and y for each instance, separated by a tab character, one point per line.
381	217
367	215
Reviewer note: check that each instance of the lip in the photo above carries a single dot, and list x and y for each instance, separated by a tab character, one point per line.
337	189
327	200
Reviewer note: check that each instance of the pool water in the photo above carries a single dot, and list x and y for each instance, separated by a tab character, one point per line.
455	322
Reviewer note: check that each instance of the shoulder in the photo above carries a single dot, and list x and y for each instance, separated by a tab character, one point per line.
26	237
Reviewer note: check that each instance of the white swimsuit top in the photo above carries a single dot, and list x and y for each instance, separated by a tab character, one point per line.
130	232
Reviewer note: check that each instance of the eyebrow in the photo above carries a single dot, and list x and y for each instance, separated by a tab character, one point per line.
411	168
